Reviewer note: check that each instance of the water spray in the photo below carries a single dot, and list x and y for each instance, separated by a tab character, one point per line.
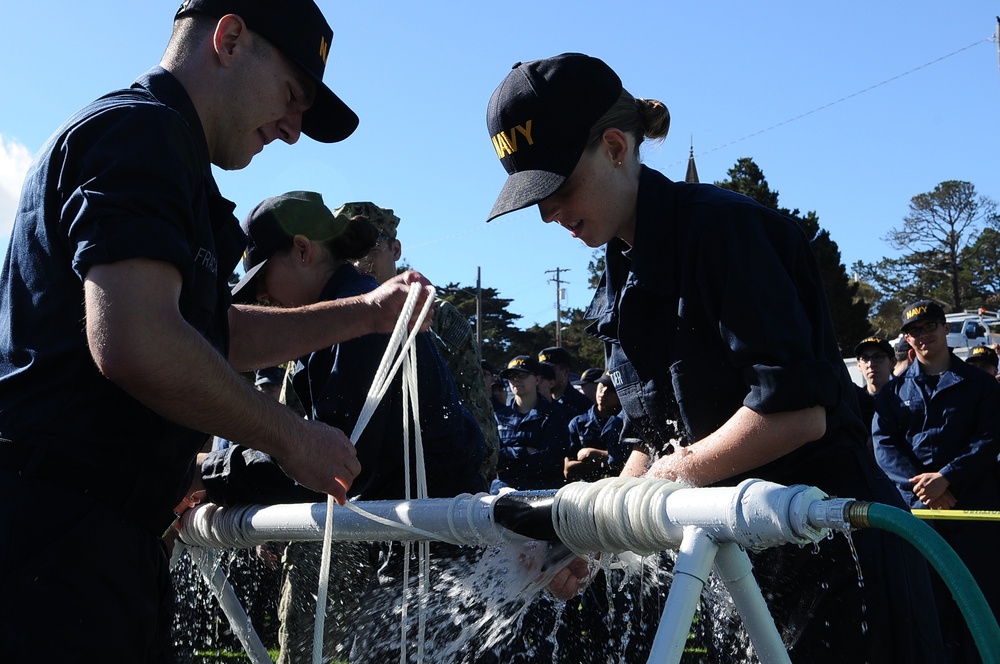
708	527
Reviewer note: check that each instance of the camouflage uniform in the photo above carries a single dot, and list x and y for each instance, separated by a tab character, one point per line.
457	343
455	340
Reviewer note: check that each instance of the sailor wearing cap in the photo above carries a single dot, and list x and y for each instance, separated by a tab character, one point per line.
875	361
116	315
534	437
562	392
983	357
596	448
937	435
587	383
714	316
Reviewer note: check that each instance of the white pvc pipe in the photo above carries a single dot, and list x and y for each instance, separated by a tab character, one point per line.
694	561
755	515
207	562
733	566
465	519
696	521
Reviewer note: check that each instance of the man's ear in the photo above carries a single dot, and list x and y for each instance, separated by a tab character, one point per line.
230	33
397	250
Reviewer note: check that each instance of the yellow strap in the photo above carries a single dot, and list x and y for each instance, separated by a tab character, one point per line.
958	515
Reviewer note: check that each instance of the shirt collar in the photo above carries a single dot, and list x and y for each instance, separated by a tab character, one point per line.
165	87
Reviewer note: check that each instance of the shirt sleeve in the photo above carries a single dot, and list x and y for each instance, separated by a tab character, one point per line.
892	449
122	203
766	298
978	460
238	475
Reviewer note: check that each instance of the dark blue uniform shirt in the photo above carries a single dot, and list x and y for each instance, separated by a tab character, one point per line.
332	385
589	430
574	402
533	446
694	331
951	427
718	305
127	177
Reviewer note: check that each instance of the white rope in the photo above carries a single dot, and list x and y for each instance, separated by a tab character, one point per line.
411	401
613	515
384	376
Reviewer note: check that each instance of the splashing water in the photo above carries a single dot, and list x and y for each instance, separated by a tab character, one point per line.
485	606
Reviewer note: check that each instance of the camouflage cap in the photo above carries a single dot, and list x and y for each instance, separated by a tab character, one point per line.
383	218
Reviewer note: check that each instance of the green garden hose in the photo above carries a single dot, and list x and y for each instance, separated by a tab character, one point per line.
977	612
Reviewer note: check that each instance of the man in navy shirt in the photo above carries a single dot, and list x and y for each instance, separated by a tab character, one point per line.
562	392
119	346
875	361
937	436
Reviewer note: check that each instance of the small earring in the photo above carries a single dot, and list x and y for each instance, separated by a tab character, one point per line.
618	164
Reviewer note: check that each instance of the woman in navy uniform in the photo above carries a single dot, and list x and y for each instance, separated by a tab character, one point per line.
720	342
299	254
534	437
596	449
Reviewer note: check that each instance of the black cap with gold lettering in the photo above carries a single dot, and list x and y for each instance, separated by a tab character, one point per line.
297	29
982	355
922	310
539	119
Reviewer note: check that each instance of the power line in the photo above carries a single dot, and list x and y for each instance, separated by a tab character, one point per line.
843	99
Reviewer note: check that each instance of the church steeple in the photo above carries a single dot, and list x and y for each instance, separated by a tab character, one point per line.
692	172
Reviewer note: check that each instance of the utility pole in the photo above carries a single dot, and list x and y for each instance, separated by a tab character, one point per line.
559	294
479	308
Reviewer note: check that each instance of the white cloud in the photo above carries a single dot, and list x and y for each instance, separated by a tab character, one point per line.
14	162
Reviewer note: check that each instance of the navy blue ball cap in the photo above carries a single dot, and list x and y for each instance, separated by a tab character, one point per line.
592	375
522	364
297	29
539	119
556	355
874	342
920	311
982	354
271	225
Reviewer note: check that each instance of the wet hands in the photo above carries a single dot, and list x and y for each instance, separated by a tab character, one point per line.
270	553
672	466
570	580
194	496
568	573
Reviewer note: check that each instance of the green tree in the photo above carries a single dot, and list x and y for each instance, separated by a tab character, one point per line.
983	268
499	331
596	268
949	245
588	350
848	310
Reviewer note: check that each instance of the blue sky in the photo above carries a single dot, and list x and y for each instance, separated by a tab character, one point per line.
850	109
